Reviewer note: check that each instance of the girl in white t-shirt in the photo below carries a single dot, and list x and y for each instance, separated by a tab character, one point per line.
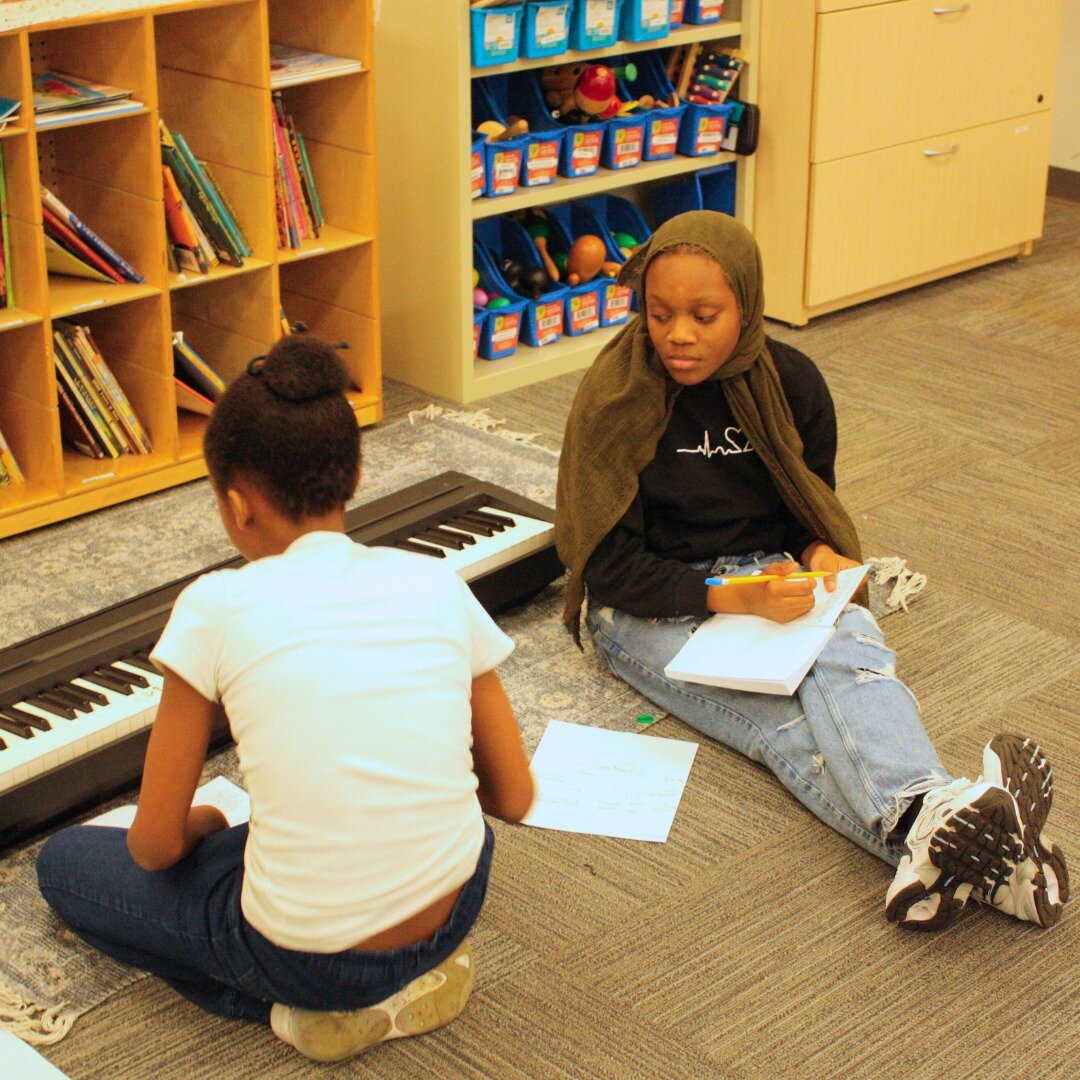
371	731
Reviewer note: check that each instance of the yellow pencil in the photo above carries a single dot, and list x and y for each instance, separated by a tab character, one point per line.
751	579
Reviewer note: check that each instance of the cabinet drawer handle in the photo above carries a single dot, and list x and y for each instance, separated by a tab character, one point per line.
940	153
959	9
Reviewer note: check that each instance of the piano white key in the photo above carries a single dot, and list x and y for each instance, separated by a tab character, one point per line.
69	739
525	536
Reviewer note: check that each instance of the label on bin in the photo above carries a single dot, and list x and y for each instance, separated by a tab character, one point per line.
677	11
710	131
549	319
504	332
627	147
505	171
663	135
655	13
600	18
585	152
499	32
551	24
583	313
475	340
476	173
710	10
542	162
616	303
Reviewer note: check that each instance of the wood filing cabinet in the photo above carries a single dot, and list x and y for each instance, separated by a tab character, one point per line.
902	141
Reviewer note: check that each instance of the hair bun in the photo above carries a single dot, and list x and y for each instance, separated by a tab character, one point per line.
300	368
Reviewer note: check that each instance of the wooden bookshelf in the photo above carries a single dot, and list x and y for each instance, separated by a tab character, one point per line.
203	67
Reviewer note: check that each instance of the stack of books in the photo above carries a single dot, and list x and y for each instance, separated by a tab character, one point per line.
10	473
198	386
60	98
96	417
203	230
289	66
72	247
6	299
299	214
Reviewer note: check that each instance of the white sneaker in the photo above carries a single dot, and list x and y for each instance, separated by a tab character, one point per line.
428	1002
967	835
1037	890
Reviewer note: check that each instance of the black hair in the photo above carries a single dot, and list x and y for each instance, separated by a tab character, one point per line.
286	426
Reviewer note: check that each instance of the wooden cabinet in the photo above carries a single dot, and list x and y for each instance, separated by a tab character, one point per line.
427	216
202	66
902	141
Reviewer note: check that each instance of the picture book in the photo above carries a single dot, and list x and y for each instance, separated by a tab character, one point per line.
71	232
6	287
191	369
55	90
747	652
299	211
289	66
192	400
61	261
9	467
84	113
8	108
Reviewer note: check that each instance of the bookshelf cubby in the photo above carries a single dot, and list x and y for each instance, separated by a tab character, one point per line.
201	66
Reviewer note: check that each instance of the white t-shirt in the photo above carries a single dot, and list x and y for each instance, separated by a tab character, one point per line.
346	674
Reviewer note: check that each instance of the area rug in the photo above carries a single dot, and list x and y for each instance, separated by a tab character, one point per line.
47	976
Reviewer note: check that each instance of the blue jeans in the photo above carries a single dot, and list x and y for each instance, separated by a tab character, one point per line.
849	744
184	924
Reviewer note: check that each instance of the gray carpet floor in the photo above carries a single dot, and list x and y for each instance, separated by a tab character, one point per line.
753	943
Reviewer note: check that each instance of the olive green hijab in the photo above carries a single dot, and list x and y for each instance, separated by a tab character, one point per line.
625	401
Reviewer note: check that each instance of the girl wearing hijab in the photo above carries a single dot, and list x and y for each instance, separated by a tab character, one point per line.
698	446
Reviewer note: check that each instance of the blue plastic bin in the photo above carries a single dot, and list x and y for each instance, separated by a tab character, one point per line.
677	9
594	24
500	238
661	127
624	141
579	219
479	317
500	96
703	11
644	20
709	189
477	166
702	128
545	28
500	329
495	33
583	302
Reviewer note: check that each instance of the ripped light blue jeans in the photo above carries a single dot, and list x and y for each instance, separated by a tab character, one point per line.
849	744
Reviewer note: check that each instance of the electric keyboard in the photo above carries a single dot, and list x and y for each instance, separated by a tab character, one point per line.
77	702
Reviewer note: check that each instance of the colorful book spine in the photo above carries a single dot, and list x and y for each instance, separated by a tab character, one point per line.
91	238
6	286
95	362
231	219
73	427
297	208
238	244
94	390
296	162
94	421
64	235
8	464
192	369
317	206
181	227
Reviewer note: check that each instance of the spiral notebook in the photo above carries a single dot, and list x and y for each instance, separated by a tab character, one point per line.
747	652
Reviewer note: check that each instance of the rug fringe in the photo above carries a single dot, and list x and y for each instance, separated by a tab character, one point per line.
480	420
34	1024
909	583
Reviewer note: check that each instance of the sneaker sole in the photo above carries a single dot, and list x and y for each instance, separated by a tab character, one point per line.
976	846
428	1002
1022	769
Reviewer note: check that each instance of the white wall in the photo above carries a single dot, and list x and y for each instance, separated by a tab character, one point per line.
1065	137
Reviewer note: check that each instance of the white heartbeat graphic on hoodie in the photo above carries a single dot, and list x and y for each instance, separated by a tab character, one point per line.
733	445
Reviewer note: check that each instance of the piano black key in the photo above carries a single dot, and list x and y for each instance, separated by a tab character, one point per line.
504	521
419	549
95	697
70	695
129	677
49	705
141	660
110	682
457	534
477	528
25	717
24	731
442	538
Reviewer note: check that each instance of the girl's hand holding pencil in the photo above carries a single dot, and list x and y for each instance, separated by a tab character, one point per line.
781	592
